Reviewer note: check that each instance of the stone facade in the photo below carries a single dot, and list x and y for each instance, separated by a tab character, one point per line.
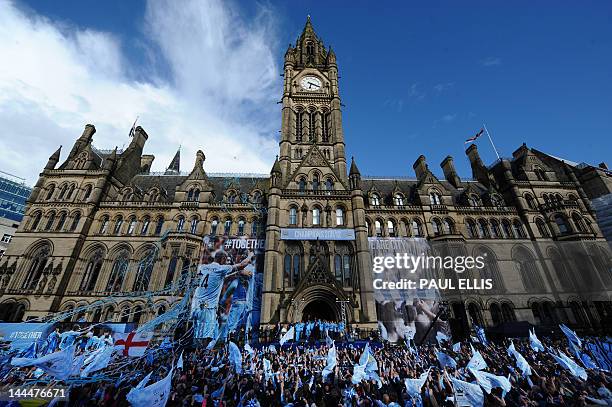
101	222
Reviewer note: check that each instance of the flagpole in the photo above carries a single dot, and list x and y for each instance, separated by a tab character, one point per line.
491	140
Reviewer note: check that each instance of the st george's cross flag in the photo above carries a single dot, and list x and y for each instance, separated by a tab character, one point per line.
475	137
133	343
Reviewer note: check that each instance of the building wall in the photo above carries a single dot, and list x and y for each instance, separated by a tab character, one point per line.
86	218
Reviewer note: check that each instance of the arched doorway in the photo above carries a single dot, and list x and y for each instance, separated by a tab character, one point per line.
319	309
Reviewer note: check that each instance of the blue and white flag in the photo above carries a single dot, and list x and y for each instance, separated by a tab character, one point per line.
521	362
153	395
331	362
535	343
289	336
57	364
488	381
144	381
446	360
272	349
441	337
457	347
328	341
571	335
367	360
477	362
567	363
414	386
179	364
480	332
100	361
467	392
383	331
249	349
30	352
235	357
267	368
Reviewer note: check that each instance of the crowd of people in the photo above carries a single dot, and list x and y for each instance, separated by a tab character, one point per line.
294	374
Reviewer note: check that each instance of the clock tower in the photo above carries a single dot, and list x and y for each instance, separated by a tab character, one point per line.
317	262
311	106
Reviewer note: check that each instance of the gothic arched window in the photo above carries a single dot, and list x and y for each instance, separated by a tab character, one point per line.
473	200
118	224
103	225
378	228
542	228
50	191
329	184
311	126
434	198
315	183
146	221
398	199
375	199
61	222
120	266
325	126
75	221
519	232
36	221
299	117
495	230
193	228
180	223
391	228
471	229
159	225
293	215
87	192
316	216
436	227
531	203
131	225
292	264
416	228
483	229
92	271
507	230
214	224
50	221
37	266
339	217
174	257
227	227
491	268
143	274
241	227
302	184
528	270
448	226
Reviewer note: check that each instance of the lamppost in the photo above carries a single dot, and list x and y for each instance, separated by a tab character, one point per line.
343	311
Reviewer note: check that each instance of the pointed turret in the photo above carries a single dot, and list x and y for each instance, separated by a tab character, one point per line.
309	47
175	164
354	175
54	159
276	174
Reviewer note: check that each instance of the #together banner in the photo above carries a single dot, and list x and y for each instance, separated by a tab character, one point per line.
405	310
229	284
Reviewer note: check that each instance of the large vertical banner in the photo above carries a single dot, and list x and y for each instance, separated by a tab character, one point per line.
227	297
406	309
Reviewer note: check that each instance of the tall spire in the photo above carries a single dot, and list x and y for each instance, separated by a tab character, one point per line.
53	159
175	164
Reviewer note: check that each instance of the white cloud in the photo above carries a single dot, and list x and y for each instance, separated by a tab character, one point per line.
491	61
219	96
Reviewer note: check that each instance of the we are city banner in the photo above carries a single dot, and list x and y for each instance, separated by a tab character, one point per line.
227	298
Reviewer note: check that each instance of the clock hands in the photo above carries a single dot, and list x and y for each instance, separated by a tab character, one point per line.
310	85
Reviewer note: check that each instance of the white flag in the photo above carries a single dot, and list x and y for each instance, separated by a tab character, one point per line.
235	357
179	364
468	392
535	343
477	362
331	362
57	364
153	395
102	359
289	336
488	381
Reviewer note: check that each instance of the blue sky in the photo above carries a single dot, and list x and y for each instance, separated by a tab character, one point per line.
415	78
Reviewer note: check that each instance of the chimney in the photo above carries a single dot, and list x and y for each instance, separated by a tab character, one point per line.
474	157
88	133
140	138
145	163
420	167
603	166
448	167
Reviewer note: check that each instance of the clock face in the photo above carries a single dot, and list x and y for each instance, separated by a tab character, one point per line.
310	83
